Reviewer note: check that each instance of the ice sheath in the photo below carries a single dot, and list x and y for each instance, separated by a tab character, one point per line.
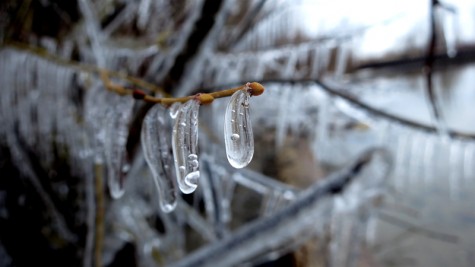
155	140
185	146
238	135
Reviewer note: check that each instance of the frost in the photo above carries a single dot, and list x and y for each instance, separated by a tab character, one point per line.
155	146
185	146
238	130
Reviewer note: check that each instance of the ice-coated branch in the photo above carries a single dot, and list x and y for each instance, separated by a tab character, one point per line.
428	66
81	67
297	219
254	88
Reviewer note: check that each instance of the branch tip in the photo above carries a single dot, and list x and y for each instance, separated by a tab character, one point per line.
138	94
255	88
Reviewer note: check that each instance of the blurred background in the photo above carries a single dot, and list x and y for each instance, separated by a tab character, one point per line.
385	85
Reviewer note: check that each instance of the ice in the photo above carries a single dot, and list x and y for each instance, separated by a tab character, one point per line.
117	130
469	162
341	60
92	29
144	13
185	146
174	108
155	146
449	29
192	178
238	130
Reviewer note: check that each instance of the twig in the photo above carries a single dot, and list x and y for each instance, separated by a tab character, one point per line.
414	228
253	88
429	64
341	93
99	172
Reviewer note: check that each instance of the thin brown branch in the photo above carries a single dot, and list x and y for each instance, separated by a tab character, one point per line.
429	62
99	174
253	88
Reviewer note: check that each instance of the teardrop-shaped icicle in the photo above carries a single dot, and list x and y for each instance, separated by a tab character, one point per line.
185	146
155	145
238	130
117	131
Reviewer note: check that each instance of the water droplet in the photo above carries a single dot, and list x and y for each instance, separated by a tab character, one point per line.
235	137
182	168
194	164
192	178
192	157
125	168
167	208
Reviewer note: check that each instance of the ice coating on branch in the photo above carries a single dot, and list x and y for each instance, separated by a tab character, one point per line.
238	130
156	149
185	146
117	131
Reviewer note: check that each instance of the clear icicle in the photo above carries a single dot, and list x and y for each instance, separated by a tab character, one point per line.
155	146
449	30
238	130
116	139
185	145
341	61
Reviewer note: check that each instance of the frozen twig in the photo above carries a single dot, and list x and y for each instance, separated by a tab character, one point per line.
297	219
428	67
99	241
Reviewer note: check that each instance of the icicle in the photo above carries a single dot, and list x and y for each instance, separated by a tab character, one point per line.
290	66
174	108
449	29
238	130
401	155
455	168
185	144
341	61
116	139
143	14
469	163
157	153
322	134
283	123
428	155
